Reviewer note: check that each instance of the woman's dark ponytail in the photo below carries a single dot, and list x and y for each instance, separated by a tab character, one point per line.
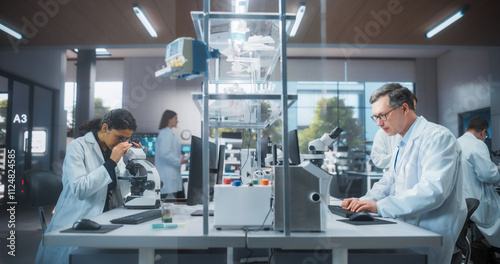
116	119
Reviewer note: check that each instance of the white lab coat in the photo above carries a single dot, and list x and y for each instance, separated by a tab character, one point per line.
382	149
426	191
85	186
480	177
168	161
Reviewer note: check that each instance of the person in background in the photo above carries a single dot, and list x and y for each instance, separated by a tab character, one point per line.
480	177
384	145
168	158
91	168
423	186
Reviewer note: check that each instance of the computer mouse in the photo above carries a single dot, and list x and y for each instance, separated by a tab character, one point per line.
361	216
86	224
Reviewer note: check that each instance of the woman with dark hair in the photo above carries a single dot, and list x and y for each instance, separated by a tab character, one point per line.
91	168
168	158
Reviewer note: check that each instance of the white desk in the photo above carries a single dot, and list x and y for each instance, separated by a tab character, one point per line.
339	237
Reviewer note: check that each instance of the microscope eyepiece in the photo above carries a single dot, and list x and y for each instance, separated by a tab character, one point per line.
335	132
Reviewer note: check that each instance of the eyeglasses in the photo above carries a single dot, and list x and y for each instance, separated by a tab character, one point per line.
122	139
382	117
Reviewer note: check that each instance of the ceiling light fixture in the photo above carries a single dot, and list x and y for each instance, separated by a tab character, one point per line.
445	23
102	52
144	20
10	31
99	52
298	18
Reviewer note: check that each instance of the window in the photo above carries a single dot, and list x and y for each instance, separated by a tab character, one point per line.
107	96
4	99
38	143
345	104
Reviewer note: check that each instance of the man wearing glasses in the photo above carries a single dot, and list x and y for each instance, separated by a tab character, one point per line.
384	145
480	177
424	183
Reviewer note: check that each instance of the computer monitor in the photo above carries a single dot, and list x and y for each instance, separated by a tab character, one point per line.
186	149
195	182
265	148
220	164
147	140
293	147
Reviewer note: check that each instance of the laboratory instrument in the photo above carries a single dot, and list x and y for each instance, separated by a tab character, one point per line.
239	207
186	58
310	195
145	183
319	146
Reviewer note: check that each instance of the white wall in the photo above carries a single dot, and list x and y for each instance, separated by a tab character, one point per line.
462	84
147	97
106	71
426	89
361	70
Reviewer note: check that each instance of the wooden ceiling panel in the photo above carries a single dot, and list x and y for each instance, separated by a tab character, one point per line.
342	19
112	23
310	27
169	19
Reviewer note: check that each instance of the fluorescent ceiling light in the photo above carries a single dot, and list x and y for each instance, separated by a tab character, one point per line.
144	20
10	31
298	19
102	52
99	52
445	23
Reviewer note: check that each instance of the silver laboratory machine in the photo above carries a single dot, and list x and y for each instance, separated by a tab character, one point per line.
308	199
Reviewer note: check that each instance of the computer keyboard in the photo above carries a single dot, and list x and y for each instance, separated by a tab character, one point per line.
137	218
337	209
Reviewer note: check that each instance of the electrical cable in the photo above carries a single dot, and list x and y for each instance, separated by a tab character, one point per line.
271	256
248	153
256	230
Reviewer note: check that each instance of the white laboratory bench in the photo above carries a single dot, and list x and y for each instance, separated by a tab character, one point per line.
339	236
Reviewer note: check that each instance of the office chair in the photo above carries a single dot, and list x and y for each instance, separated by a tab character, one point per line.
44	187
463	242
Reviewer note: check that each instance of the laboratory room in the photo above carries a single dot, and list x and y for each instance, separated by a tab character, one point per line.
249	131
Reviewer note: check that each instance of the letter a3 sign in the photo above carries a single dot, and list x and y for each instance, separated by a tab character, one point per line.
20	118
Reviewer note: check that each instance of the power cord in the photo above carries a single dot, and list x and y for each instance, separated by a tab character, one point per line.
246	229
271	255
248	152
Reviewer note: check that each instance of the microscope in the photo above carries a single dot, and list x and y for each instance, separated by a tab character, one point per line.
145	183
319	146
